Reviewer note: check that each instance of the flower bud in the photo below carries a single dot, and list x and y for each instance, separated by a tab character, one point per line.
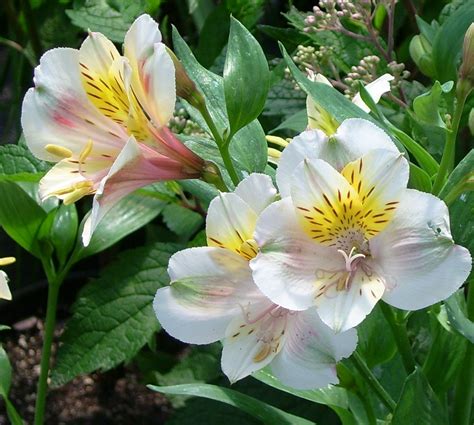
185	87
466	71
420	52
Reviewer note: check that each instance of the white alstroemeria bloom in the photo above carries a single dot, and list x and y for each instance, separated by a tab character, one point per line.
353	139
4	289
212	297
344	240
101	117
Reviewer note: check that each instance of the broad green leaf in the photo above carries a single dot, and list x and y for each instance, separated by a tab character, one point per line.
455	184
457	314
182	221
447	44
18	163
262	411
5	383
111	18
246	77
248	147
129	215
297	122
419	179
426	106
446	354
5	373
20	216
461	213
201	190
64	231
213	36
418	404
113	317
375	344
289	37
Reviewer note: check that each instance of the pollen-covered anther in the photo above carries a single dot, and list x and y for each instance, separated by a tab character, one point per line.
86	151
78	191
59	151
7	261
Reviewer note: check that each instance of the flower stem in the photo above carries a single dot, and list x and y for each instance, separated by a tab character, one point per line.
221	144
464	390
401	338
54	283
447	160
373	382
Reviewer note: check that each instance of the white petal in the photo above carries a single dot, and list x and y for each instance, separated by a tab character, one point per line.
375	89
230	222
308	358
58	112
285	268
357	137
343	309
140	39
209	287
4	289
257	191
98	53
250	345
418	259
309	144
104	201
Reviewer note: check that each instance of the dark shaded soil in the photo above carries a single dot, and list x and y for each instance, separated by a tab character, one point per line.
116	397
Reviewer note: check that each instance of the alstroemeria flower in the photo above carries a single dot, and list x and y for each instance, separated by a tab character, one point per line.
344	240
353	138
318	118
212	297
101	116
4	289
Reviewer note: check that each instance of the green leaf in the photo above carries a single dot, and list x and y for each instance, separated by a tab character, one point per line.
426	106
457	179
248	147
63	231
336	398
5	373
375	344
418	404
297	122
419	179
111	18
457	315
447	44
461	213
262	411
182	221
446	354
18	163
113	317
246	77
129	215
20	216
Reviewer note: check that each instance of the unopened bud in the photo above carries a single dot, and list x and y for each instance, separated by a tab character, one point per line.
466	71
420	52
185	87
212	174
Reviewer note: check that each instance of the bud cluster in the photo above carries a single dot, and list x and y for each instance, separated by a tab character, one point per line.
328	14
181	123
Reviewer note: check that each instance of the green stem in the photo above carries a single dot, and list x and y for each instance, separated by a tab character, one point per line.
401	338
373	382
464	390
54	283
221	144
447	160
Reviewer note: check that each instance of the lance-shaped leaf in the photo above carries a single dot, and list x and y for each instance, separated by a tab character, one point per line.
262	411
246	77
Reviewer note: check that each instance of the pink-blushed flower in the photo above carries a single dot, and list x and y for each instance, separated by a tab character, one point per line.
345	239
212	297
102	116
4	289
